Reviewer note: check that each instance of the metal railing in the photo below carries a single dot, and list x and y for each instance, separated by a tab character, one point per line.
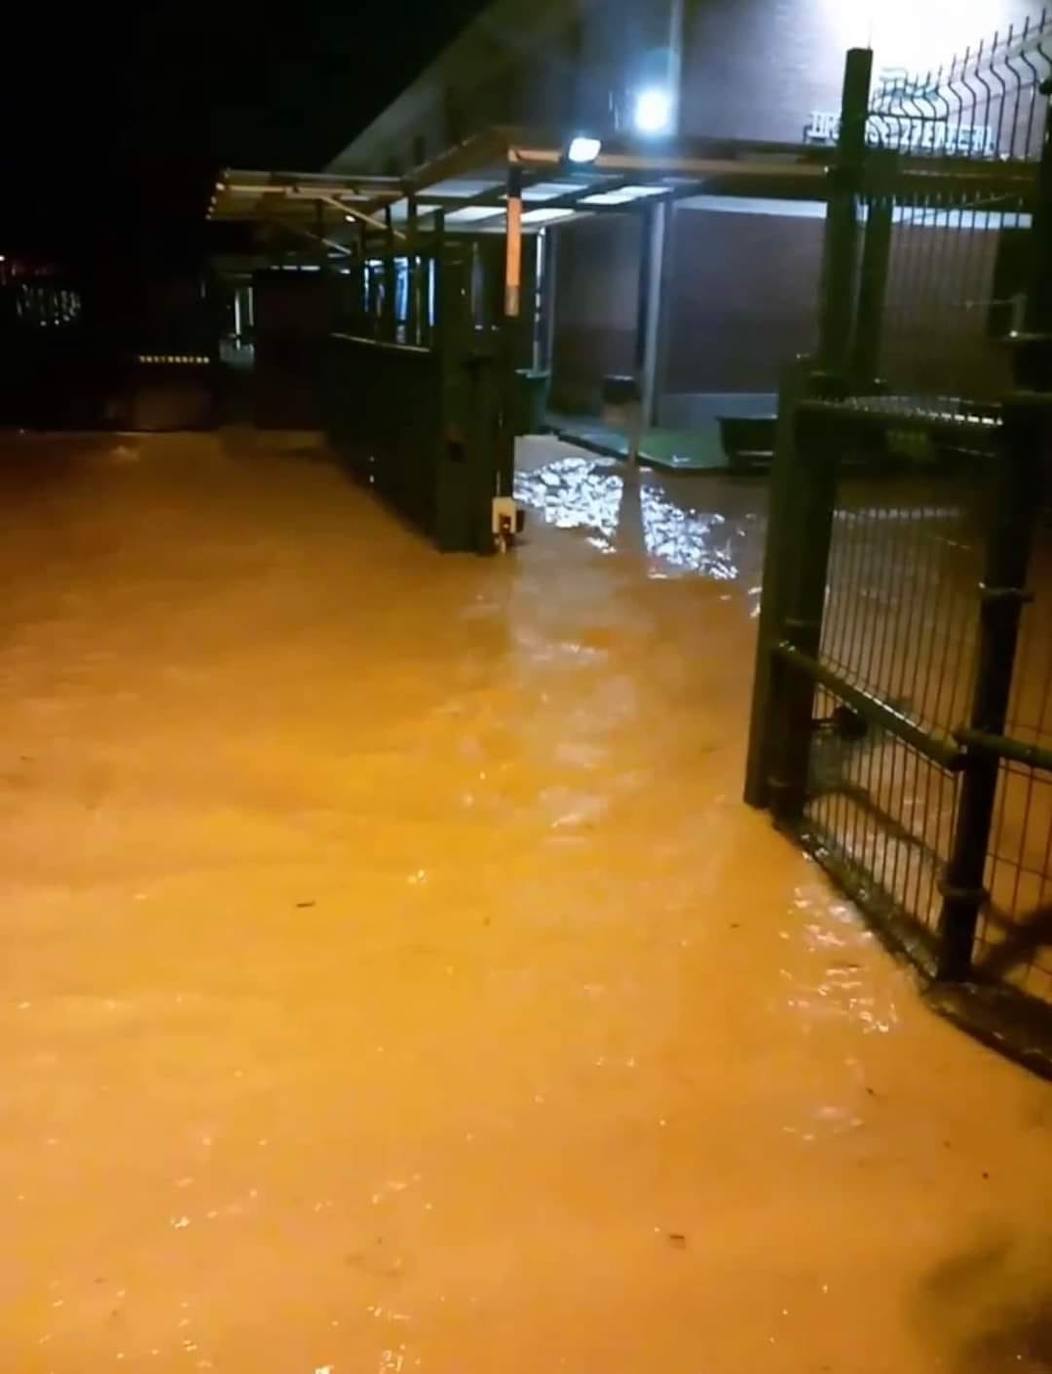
902	712
412	393
985	102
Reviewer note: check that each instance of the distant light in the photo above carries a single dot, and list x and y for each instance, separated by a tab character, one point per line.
653	111
583	148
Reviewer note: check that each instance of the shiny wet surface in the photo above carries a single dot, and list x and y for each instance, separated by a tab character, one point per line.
393	979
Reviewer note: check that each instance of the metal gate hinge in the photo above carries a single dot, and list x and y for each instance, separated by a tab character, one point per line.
972	895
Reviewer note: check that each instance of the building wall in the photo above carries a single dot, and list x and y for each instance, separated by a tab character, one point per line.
742	288
596	290
937	337
751	68
757	68
740	299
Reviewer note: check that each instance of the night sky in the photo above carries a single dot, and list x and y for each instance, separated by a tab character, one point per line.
115	118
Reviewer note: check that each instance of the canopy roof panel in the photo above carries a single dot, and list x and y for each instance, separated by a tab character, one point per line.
468	183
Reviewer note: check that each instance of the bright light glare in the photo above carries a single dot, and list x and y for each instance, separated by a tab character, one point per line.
583	149
653	112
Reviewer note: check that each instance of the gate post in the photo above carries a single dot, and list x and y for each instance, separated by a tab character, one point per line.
837	291
793	592
793	690
1018	480
799	489
390	312
1002	595
873	277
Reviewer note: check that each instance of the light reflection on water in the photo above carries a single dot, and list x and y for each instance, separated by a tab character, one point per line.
624	511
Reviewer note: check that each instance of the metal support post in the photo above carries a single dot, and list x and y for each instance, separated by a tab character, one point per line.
434	287
513	245
1002	595
537	302
837	293
873	283
807	539
652	283
510	331
551	269
1016	501
412	327
782	537
1038	318
390	316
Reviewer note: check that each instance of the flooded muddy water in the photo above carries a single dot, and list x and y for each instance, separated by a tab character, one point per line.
394	981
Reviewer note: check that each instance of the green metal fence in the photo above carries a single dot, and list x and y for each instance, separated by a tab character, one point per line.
902	712
414	393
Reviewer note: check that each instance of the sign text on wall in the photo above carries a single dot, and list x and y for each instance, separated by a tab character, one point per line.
909	133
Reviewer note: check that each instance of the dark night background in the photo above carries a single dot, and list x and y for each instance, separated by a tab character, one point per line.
116	119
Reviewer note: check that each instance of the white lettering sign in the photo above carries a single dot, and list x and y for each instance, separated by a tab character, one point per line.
908	133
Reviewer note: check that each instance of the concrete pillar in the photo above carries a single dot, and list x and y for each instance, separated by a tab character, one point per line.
654	246
651	300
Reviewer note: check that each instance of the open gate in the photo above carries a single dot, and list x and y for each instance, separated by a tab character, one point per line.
902	712
414	392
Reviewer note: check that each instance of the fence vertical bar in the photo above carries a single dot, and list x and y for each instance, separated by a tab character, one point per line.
509	332
872	289
793	691
390	313
1002	594
413	333
837	291
1039	298
782	533
433	305
786	536
1017	498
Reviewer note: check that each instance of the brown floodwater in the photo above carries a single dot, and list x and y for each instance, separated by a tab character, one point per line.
394	981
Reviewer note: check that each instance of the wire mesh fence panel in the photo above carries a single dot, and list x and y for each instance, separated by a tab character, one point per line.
901	604
1030	704
880	812
984	103
907	479
1015	932
945	317
957	265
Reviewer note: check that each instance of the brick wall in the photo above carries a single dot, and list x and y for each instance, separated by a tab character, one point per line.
597	283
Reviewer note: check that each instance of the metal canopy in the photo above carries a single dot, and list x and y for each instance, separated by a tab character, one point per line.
468	184
313	205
